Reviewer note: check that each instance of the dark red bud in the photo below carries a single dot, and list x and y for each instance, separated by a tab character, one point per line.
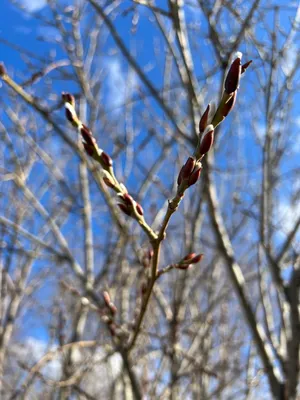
128	199
233	76
229	105
196	259
69	116
89	149
195	176
2	69
106	159
207	142
139	209
124	209
189	257
245	66
186	170
87	135
179	179
204	119
68	98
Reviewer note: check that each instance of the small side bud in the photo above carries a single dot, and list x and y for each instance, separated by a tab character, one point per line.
195	175
70	110
204	119
2	69
188	257
245	66
207	141
106	159
128	199
87	135
233	76
186	170
139	209
69	116
89	149
196	259
68	98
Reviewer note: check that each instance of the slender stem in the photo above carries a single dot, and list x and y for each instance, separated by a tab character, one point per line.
156	244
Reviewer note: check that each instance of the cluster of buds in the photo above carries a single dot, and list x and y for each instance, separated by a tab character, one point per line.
129	206
189	173
188	260
208	123
205	144
88	141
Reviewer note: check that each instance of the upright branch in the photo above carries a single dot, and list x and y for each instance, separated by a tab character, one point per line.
189	175
127	204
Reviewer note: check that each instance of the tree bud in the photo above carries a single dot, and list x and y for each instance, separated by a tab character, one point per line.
207	141
204	119
128	199
188	257
245	66
233	76
196	259
139	209
68	98
69	116
87	135
195	175
89	149
2	69
106	159
186	170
